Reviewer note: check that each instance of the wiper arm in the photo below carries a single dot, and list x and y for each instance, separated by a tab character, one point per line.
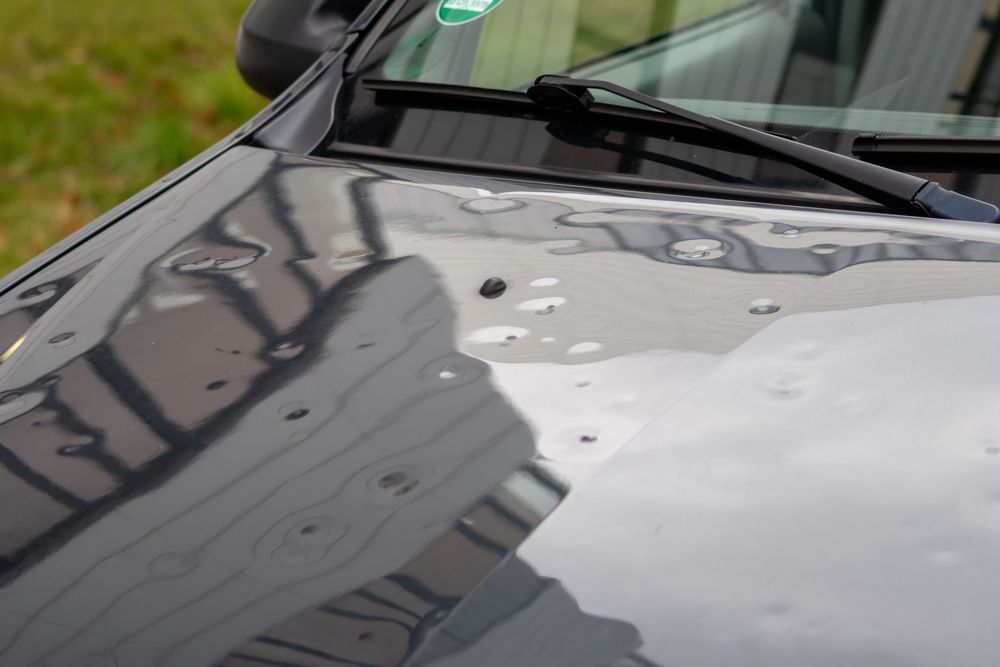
894	189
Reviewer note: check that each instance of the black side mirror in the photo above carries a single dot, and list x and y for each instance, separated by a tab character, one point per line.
280	39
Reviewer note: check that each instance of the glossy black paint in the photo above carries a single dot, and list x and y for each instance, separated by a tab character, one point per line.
270	419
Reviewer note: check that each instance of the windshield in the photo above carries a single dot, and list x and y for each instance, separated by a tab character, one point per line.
910	66
829	73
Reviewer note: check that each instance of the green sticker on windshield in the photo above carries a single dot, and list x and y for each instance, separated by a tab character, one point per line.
457	12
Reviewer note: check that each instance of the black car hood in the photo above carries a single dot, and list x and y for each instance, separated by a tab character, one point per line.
269	419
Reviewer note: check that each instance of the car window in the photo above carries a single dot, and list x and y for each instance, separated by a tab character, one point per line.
920	66
825	72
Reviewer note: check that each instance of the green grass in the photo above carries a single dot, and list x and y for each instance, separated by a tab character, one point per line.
101	97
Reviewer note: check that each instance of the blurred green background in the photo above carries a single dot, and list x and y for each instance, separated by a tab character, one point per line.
101	97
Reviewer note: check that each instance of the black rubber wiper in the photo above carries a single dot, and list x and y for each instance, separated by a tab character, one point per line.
894	189
920	146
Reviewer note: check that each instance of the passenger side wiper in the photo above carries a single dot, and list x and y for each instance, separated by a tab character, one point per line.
894	189
921	146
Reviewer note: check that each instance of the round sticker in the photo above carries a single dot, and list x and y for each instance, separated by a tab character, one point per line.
457	12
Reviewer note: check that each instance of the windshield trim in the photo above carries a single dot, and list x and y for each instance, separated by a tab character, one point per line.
370	37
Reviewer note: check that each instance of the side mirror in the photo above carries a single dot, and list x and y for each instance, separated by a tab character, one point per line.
280	39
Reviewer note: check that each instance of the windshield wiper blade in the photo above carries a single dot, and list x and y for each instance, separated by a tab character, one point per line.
924	146
895	189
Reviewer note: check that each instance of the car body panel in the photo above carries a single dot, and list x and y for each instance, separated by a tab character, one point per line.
268	418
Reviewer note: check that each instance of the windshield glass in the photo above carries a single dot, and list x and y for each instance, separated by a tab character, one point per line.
835	74
902	66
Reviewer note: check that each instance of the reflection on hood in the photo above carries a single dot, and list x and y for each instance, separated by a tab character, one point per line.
269	419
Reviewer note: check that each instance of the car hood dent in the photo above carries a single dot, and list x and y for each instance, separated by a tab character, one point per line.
286	424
